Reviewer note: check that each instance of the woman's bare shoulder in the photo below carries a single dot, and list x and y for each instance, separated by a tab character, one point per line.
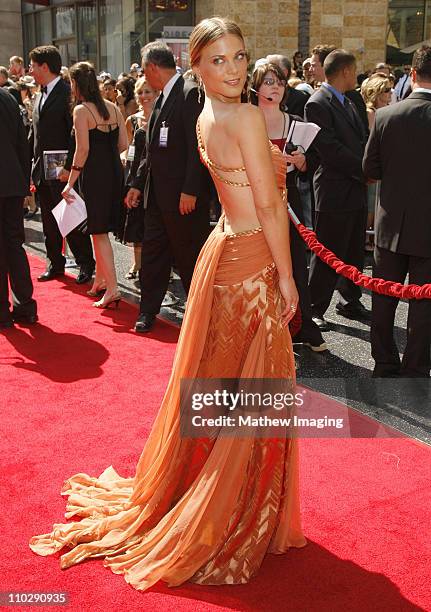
245	112
80	112
110	106
245	117
112	109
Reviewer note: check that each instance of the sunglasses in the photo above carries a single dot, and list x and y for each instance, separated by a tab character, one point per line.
269	82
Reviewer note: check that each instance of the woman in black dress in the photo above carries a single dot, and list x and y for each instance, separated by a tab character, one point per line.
100	134
132	219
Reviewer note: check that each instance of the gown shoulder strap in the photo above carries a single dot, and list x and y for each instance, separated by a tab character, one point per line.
90	111
213	167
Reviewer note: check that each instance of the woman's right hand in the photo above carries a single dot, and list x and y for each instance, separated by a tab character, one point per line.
67	195
290	296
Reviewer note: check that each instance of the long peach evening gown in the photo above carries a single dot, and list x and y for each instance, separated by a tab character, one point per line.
201	510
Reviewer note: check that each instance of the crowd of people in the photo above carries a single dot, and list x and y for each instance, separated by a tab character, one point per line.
207	505
132	153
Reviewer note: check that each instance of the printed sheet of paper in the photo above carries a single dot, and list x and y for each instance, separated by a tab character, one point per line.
302	134
69	216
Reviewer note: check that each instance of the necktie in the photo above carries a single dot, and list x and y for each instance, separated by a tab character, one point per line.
155	113
403	86
44	89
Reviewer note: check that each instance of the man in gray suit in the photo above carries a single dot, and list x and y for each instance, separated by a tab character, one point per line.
14	186
398	153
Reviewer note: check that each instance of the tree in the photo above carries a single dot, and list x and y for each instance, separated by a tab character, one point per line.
304	13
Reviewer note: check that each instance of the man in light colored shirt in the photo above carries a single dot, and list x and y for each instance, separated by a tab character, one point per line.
403	86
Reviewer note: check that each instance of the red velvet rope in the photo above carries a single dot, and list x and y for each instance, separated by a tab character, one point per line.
378	285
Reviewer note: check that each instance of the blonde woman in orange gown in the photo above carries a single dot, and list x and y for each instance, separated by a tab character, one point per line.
208	510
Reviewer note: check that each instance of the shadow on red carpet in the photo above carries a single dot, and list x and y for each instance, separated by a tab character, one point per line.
78	397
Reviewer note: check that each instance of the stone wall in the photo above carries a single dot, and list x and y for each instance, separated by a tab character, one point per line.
269	26
10	30
272	25
358	26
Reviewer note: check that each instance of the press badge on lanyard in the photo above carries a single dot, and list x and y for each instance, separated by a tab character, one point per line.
163	138
131	153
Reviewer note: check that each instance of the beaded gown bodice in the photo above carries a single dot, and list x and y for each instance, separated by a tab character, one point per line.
278	160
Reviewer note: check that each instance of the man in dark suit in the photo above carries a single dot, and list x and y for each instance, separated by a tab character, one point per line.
51	130
398	153
171	183
14	186
294	100
339	187
404	86
319	54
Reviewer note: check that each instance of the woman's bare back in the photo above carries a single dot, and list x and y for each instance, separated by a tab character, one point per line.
225	161
96	120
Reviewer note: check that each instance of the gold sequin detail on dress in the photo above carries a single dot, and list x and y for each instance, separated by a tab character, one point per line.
278	160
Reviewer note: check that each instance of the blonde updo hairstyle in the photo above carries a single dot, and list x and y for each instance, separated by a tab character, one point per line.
206	32
373	87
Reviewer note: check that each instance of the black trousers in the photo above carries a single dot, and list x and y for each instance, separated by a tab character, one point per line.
300	273
344	234
13	261
168	237
416	359
80	244
298	251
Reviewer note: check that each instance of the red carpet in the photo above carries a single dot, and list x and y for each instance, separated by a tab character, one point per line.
80	391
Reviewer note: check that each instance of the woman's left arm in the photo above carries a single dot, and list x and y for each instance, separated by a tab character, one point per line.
123	141
80	125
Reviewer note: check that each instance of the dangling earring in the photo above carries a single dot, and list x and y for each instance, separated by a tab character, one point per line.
200	88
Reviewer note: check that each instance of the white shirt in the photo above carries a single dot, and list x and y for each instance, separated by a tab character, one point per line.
402	86
49	88
168	87
422	90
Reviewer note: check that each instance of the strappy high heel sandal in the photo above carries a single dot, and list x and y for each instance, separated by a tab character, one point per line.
97	291
110	302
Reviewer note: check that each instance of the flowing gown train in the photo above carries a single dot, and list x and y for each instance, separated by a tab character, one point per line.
201	510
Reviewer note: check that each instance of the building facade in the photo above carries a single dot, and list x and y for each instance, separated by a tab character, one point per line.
110	33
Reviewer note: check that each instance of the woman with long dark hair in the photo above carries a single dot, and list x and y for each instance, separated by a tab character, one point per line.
101	136
126	96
